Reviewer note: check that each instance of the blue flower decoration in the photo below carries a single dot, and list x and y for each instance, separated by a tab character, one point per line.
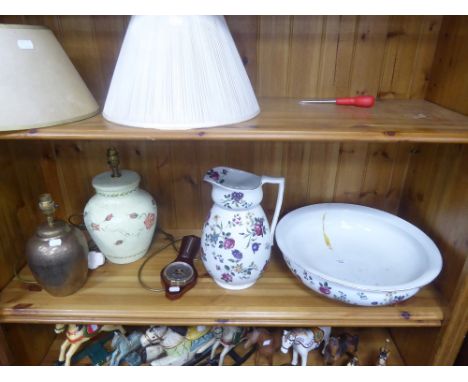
255	247
237	254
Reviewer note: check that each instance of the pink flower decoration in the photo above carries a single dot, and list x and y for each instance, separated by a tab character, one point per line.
258	230
150	220
95	227
229	243
109	217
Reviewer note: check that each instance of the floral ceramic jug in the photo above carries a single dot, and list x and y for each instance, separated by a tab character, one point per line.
236	238
120	217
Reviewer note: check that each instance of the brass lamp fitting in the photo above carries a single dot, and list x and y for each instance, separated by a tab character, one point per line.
113	161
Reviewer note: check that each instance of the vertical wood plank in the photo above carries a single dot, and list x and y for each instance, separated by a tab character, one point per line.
337	54
108	36
304	56
210	154
368	54
409	51
448	85
186	185
295	169
29	343
323	167
244	32
425	51
6	356
377	184
350	173
400	52
79	41
268	160
157	172
273	56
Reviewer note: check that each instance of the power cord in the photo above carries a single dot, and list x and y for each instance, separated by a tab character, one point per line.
72	221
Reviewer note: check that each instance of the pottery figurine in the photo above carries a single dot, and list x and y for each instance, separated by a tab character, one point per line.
77	335
303	341
236	238
120	217
175	346
267	343
345	343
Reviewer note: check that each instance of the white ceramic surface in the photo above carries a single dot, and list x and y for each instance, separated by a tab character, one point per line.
179	72
356	254
236	237
120	217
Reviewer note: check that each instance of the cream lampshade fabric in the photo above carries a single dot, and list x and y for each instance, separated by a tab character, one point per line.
179	72
39	86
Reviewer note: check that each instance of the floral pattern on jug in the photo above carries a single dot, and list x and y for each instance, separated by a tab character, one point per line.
236	238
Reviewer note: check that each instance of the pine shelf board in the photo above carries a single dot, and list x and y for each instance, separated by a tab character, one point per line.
370	340
112	294
284	119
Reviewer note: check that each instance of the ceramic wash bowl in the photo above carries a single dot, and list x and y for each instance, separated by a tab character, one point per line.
355	254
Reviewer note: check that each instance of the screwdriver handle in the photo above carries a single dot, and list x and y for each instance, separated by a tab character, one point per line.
359	101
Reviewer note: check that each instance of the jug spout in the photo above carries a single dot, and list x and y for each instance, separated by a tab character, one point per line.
232	179
234	189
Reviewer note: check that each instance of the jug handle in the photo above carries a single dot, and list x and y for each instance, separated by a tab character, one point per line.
279	202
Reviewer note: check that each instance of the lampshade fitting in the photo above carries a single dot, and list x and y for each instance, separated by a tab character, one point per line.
179	72
39	86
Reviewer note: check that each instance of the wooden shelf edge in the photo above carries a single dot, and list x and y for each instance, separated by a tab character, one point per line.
282	119
51	319
260	304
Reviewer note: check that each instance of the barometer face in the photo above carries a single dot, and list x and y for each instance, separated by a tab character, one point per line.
178	273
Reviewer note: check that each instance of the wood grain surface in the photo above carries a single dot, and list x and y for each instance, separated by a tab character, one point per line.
298	56
113	294
285	119
346	154
449	77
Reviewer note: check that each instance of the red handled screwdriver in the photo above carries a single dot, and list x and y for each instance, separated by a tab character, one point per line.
358	101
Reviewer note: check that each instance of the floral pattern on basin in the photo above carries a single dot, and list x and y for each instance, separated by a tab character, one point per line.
341	293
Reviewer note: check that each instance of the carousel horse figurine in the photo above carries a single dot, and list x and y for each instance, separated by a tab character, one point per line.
78	335
123	346
229	337
179	344
384	352
268	343
303	341
353	361
337	346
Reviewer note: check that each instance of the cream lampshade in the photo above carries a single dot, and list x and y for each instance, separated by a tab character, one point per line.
39	86
179	72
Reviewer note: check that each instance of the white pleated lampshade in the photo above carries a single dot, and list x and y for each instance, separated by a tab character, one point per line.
39	86
179	72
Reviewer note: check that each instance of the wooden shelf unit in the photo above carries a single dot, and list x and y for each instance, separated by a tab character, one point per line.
285	119
113	294
407	155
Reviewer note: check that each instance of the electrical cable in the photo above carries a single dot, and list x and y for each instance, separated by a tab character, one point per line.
172	242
